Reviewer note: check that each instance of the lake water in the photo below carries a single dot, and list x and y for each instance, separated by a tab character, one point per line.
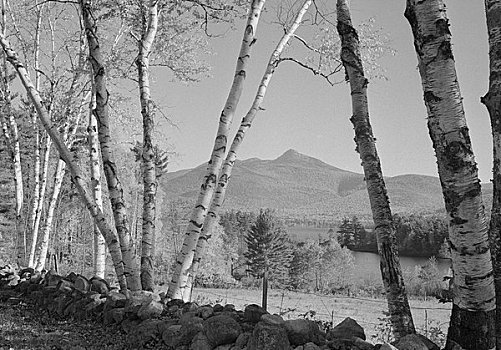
367	265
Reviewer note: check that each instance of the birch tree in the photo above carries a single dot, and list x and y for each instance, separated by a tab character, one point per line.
245	124
184	260
68	135
11	134
391	272
101	113
77	175
95	173
148	34
492	100
474	302
36	201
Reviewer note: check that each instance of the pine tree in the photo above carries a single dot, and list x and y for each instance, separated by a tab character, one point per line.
268	254
344	232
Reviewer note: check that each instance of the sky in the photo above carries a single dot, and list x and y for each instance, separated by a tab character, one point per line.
304	113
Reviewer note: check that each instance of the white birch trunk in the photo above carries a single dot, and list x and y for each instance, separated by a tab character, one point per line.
18	174
148	156
245	124
474	302
41	201
110	169
77	175
37	149
184	260
59	174
95	171
43	246
12	136
391	272
492	100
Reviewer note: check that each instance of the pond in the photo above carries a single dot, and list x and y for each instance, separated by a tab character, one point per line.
367	265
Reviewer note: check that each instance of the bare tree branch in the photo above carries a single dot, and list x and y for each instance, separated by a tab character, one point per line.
327	77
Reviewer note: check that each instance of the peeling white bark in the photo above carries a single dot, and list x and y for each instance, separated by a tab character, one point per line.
184	260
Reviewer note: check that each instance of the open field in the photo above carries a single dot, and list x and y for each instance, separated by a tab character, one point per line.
367	312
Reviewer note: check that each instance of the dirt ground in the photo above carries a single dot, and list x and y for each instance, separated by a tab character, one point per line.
21	328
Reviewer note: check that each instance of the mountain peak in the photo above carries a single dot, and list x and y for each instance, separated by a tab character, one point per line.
291	154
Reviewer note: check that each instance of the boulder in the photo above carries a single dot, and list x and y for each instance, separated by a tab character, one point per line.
346	329
242	340
172	335
272	319
129	326
253	313
302	331
52	279
146	333
310	346
415	342
82	284
189	330
200	342
189	317
114	299
268	337
99	285
114	316
359	344
150	309
221	330
71	276
190	306
205	312
65	286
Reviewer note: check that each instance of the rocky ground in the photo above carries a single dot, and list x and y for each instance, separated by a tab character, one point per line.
23	327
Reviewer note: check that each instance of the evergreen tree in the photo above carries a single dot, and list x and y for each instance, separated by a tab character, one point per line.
345	232
268	254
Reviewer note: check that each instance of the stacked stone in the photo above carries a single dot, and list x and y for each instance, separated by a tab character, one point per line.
151	320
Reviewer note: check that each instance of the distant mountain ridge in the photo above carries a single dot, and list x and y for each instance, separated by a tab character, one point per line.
297	185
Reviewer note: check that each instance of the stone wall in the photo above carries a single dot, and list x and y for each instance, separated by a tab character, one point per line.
152	321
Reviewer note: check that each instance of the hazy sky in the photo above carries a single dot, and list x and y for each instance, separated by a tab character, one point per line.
305	113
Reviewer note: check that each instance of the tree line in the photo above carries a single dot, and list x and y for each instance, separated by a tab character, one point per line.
67	55
416	235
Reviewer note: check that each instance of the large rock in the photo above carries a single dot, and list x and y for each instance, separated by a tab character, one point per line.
82	284
114	299
114	316
200	342
311	346
415	342
205	312
346	329
302	331
145	334
151	309
242	340
99	285
275	320
171	335
221	330
253	313
268	337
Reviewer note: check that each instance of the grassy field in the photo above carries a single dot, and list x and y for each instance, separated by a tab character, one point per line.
367	312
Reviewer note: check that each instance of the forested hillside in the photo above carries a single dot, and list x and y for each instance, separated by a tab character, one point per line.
299	186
